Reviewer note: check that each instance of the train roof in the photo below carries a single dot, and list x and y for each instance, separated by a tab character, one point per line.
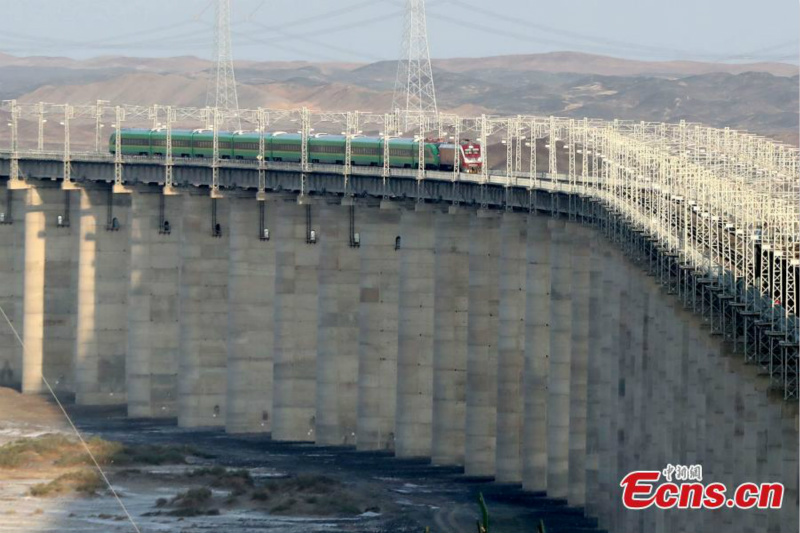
254	136
135	130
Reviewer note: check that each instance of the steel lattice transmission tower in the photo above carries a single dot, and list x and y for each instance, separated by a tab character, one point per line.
414	91
222	85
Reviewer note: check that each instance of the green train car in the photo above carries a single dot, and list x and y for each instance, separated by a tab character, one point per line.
281	146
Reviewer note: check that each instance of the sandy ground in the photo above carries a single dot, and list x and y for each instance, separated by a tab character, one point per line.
400	495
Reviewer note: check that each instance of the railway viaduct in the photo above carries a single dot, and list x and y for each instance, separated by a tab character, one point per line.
554	329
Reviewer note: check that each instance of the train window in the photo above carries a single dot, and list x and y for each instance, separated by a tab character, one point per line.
247	146
286	147
328	149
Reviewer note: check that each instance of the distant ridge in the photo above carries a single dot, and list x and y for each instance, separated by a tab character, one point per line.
554	62
759	97
581	63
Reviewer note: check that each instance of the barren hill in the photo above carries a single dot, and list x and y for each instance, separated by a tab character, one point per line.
609	66
761	98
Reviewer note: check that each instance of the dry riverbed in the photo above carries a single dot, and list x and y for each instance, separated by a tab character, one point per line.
173	480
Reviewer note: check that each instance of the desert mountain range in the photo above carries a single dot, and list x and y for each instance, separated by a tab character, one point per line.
758	97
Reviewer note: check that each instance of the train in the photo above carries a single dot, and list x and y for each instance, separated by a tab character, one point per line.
283	146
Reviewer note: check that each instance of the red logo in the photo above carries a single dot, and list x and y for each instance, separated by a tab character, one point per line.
641	489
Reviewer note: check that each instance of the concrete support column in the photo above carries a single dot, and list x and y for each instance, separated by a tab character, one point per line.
687	392
537	356
653	434
203	374
415	334
101	338
580	238
450	336
153	292
608	480
683	414
12	267
788	428
633	319
378	329
558	379
49	290
596	382
296	306
511	348
698	381
251	290
484	263
673	409
337	347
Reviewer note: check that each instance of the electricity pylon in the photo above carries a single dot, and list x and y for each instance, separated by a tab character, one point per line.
414	91
222	85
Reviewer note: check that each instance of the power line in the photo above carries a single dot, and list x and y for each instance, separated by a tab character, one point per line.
326	16
282	46
562	32
598	43
336	29
308	38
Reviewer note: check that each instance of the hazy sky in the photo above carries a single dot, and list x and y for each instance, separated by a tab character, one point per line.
369	30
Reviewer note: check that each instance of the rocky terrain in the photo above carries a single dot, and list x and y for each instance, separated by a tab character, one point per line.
175	480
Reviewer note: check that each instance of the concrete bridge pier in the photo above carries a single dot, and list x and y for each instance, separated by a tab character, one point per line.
511	348
12	237
102	315
686	401
378	329
451	307
50	287
558	382
608	388
581	244
415	333
596	385
337	346
296	315
537	355
484	304
715	461
698	381
203	311
655	442
151	364
251	290
666	365
634	318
